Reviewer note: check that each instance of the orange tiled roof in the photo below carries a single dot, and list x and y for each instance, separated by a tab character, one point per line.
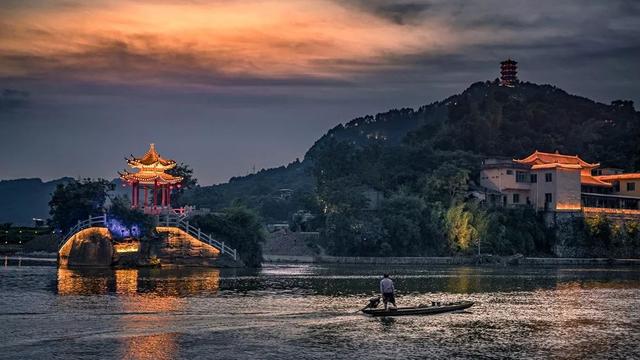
539	158
151	158
149	177
556	165
593	181
628	176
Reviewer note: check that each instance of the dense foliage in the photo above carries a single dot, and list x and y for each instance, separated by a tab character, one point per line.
77	200
188	182
240	228
427	179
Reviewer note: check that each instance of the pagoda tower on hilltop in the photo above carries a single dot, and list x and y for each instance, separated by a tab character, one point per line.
509	73
151	176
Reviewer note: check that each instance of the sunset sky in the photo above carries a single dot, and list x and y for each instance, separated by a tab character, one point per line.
226	85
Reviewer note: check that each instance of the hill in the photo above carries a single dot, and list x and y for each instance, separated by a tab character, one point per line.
484	120
25	199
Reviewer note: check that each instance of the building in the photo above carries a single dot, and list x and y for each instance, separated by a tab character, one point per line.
152	178
556	182
508	73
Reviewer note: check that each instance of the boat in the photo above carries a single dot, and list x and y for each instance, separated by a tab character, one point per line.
434	308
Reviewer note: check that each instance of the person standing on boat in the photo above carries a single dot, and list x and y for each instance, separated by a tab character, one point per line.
387	290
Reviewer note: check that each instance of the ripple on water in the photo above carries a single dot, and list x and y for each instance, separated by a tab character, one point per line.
301	311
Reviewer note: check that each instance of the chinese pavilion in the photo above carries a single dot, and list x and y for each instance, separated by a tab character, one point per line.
509	73
151	176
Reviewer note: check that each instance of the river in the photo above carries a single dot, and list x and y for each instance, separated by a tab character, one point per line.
308	312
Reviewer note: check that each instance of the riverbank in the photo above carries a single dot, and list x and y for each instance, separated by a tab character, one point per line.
452	260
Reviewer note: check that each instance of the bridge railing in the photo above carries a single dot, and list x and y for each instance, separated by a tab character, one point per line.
166	220
182	224
100	220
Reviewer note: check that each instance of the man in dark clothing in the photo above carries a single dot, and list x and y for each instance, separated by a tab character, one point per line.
387	290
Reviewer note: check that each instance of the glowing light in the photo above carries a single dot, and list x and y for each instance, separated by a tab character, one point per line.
119	230
130	247
79	236
568	207
177	234
611	211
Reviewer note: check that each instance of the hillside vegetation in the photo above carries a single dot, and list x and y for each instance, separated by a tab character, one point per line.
423	162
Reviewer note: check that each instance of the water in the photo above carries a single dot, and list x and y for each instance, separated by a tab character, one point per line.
307	312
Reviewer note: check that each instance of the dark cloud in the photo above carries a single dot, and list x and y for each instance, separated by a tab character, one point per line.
402	13
11	99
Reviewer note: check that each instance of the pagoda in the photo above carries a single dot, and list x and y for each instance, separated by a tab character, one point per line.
509	73
151	175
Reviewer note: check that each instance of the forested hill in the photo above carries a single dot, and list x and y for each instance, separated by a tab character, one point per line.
489	119
484	120
25	199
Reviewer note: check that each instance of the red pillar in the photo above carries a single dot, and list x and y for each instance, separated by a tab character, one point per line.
169	197
155	194
133	194
162	195
137	194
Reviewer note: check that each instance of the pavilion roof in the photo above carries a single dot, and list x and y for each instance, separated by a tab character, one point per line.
542	158
151	159
150	177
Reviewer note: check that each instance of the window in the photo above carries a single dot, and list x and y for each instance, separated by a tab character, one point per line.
548	198
521	176
516	198
548	177
631	186
509	172
534	178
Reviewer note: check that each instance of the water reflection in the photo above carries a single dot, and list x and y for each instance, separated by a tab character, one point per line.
126	281
160	282
387	324
147	313
147	298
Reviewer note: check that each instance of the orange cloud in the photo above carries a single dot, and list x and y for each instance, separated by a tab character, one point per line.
123	41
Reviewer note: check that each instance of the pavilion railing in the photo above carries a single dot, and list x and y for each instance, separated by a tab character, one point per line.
173	220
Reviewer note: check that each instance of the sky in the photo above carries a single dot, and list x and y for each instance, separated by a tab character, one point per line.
226	86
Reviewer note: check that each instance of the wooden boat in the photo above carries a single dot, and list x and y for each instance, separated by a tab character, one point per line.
419	310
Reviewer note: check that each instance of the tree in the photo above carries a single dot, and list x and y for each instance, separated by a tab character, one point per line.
238	226
402	219
77	200
188	181
447	184
464	224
